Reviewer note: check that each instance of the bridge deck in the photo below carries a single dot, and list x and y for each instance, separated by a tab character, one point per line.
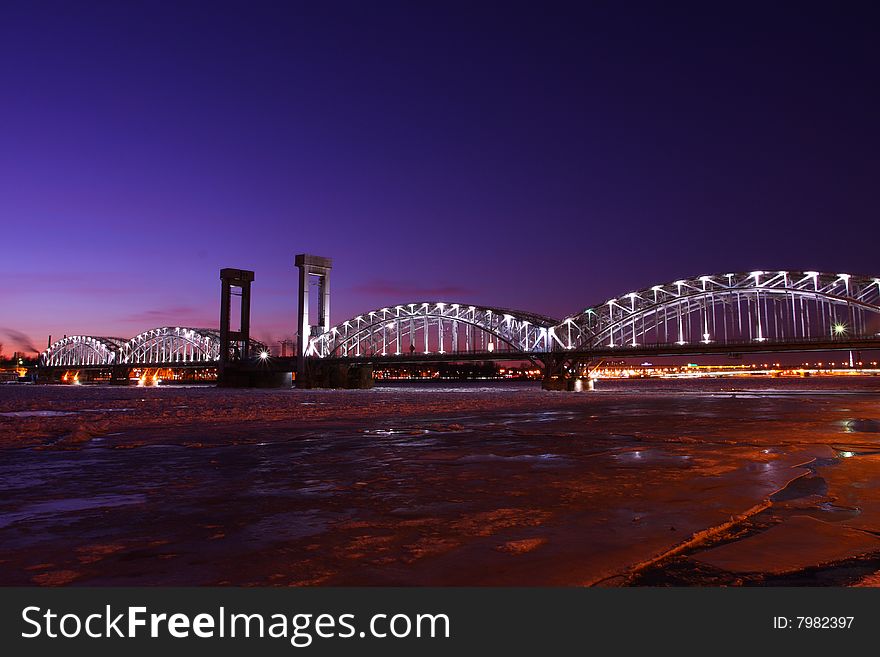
288	364
638	351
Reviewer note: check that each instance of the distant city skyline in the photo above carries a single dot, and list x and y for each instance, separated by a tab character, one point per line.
492	155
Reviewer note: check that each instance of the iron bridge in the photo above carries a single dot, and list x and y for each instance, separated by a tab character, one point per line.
166	346
758	311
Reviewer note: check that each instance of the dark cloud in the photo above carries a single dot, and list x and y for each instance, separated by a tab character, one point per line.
19	340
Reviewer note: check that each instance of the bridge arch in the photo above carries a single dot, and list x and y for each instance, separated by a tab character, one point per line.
80	350
161	346
434	326
758	306
172	344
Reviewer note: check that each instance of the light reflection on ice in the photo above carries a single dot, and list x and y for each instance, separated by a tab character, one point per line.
405	431
37	413
861	426
385	432
480	458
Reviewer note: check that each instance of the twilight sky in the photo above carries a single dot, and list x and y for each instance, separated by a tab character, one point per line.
543	156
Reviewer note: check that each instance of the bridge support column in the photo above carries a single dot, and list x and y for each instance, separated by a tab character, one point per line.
236	369
234	341
48	374
317	269
563	374
120	375
553	373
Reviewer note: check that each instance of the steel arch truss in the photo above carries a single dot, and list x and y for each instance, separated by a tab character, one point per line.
166	345
434	327
172	344
79	350
759	306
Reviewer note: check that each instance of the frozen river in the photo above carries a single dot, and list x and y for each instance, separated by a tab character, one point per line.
741	481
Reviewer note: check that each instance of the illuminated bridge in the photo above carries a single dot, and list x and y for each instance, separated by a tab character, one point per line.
759	311
165	346
730	313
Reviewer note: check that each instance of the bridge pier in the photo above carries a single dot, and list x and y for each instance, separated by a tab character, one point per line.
317	373
120	375
237	367
556	374
46	375
312	269
563	374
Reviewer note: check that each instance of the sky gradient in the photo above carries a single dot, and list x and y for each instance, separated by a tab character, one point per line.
542	157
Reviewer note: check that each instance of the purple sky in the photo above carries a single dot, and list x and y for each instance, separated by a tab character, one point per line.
538	156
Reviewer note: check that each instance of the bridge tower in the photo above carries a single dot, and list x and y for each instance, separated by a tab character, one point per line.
317	269
235	344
